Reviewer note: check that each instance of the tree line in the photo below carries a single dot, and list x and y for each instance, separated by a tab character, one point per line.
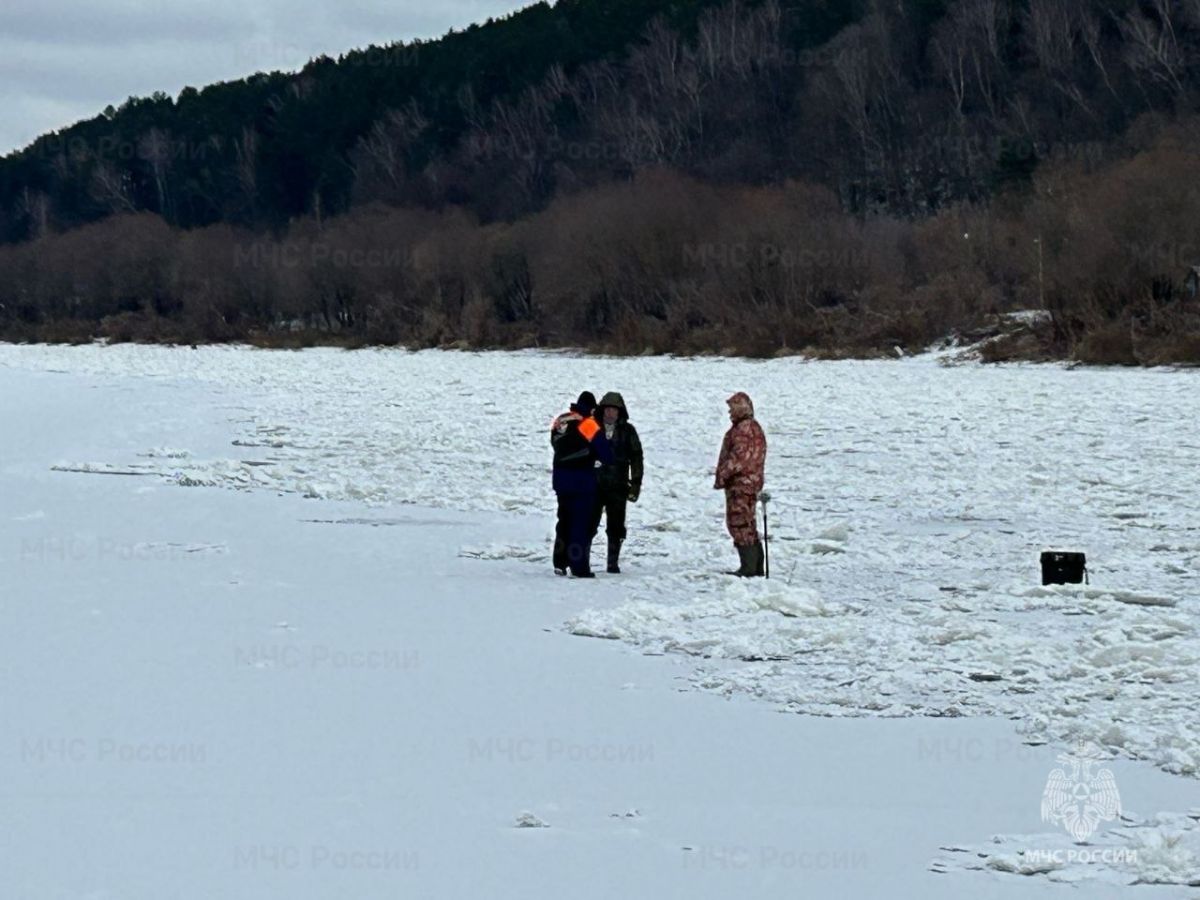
837	176
662	263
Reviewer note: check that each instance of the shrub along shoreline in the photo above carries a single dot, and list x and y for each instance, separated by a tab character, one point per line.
662	264
990	345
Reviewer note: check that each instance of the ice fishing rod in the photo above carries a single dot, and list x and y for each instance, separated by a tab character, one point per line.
764	498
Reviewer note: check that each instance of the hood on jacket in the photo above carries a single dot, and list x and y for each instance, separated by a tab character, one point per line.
612	398
741	407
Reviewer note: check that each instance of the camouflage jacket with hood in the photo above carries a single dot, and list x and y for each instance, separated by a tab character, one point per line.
744	450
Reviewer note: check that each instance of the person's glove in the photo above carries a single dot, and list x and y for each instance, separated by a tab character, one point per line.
634	491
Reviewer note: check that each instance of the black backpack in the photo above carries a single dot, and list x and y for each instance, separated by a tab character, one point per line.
1062	567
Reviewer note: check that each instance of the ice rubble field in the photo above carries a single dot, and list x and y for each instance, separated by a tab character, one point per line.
910	502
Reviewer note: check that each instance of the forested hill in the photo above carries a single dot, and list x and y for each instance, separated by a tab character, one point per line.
753	175
428	122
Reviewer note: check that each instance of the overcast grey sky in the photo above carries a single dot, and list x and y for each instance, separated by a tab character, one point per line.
65	60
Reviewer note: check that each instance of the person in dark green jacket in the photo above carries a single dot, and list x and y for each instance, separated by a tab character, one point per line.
618	481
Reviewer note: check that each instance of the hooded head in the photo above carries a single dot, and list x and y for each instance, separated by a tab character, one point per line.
617	402
740	407
585	404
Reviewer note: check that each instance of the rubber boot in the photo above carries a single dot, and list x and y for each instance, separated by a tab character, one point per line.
614	557
746	558
758	559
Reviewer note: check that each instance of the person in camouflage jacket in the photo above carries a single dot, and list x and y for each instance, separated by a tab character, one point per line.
740	472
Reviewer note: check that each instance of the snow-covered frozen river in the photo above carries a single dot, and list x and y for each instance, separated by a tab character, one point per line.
910	503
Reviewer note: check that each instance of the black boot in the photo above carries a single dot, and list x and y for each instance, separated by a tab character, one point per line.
758	559
746	558
614	557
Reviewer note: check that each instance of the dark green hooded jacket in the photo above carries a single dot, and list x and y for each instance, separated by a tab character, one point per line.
625	471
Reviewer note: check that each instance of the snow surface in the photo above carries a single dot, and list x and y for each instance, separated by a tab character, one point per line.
910	502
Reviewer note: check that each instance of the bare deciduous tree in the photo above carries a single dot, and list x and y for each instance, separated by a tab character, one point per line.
1152	46
1054	35
969	43
154	147
36	206
246	150
112	187
380	160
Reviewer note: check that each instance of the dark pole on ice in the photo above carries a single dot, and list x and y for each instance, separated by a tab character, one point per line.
763	498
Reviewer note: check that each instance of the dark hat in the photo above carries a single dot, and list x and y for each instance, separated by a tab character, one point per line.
586	403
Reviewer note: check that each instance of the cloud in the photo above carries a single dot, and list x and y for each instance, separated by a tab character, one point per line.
62	61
